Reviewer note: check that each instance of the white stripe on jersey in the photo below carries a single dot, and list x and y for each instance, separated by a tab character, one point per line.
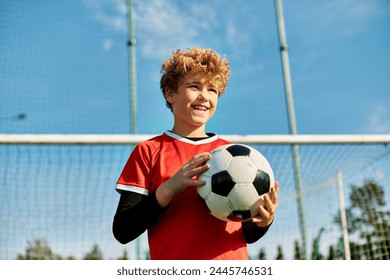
121	187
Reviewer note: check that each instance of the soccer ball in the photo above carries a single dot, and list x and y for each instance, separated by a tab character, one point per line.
238	178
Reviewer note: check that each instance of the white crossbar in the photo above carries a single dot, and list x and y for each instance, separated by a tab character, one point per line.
244	139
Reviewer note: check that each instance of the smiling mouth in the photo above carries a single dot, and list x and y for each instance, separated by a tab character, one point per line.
200	107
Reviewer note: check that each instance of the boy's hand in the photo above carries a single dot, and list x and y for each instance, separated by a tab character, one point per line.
267	211
185	177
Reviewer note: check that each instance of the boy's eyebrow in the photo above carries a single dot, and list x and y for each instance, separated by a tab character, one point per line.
199	83
192	82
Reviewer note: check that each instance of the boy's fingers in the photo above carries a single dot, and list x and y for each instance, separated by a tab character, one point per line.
198	160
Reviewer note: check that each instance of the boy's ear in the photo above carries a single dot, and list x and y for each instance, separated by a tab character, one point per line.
169	96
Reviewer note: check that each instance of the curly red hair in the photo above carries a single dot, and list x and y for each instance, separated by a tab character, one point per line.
204	62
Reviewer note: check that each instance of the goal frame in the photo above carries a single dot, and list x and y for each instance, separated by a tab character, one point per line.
284	139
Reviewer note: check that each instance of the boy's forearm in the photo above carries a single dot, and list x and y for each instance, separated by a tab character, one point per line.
163	195
130	221
252	232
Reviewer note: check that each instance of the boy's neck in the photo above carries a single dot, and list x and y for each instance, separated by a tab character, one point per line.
192	133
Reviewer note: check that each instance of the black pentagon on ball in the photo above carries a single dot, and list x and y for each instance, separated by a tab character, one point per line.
240	215
222	183
261	182
238	150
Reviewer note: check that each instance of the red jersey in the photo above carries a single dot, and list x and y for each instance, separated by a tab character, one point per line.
186	230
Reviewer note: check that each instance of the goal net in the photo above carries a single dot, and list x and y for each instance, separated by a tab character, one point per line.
58	192
66	107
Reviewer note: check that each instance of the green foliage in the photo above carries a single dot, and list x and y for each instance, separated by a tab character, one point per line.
297	251
368	222
332	253
40	250
94	254
316	254
124	256
262	254
280	255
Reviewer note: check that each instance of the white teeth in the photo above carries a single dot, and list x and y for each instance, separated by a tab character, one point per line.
199	107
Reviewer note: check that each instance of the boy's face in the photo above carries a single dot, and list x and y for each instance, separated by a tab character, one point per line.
194	102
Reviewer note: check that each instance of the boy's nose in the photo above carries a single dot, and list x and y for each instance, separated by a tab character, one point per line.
203	93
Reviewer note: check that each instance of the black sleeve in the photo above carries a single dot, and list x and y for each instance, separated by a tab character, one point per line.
252	232
135	214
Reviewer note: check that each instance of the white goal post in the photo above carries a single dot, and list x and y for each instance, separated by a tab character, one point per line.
244	139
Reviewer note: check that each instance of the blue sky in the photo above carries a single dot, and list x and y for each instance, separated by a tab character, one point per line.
65	65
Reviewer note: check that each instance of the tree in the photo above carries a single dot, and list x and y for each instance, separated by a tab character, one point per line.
368	222
332	253
280	255
39	250
262	254
94	254
297	251
124	256
316	254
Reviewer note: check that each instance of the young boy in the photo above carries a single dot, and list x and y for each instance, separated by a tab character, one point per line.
158	183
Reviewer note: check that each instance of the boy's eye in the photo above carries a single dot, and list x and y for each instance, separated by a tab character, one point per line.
214	90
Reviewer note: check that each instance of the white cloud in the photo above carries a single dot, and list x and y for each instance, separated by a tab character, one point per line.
350	16
236	38
110	13
107	44
160	26
378	121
